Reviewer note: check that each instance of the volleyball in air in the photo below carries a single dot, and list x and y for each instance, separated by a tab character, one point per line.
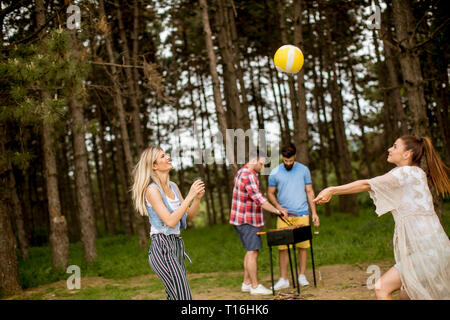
288	59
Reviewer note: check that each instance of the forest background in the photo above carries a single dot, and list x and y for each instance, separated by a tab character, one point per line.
86	86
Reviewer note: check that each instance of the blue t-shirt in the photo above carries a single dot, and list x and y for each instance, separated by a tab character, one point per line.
291	187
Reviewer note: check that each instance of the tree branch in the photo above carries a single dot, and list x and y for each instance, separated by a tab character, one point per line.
116	65
432	34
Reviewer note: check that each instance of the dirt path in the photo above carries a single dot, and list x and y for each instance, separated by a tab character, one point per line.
340	282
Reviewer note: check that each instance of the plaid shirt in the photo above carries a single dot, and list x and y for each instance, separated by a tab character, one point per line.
247	199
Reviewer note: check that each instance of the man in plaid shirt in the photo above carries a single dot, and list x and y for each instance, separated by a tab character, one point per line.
247	216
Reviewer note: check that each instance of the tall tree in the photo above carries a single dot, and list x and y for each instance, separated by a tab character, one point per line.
59	238
9	272
346	203
130	78
405	27
18	216
124	136
82	180
221	116
393	77
291	81
301	126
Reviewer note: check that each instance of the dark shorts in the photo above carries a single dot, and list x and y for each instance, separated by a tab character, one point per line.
250	240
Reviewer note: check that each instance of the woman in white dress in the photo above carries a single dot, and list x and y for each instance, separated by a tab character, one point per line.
421	246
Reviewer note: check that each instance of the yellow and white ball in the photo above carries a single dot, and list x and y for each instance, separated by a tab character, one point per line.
289	59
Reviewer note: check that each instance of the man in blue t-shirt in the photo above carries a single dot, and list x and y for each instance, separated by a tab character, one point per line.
293	182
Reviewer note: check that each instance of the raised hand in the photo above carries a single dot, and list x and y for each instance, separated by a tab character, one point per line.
197	189
200	194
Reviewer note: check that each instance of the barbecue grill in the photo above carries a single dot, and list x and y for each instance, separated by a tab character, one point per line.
289	236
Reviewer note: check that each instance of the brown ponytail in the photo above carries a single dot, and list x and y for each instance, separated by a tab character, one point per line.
437	170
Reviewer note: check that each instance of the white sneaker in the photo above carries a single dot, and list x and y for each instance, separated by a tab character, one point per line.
281	284
246	287
302	280
260	289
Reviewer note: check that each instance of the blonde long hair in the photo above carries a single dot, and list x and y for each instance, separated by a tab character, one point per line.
143	176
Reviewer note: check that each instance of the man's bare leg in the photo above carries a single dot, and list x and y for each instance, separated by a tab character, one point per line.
284	263
251	258
302	256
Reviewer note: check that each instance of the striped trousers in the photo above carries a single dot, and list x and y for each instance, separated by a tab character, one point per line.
166	257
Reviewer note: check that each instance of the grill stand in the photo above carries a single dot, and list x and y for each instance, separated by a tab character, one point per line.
294	283
290	265
296	270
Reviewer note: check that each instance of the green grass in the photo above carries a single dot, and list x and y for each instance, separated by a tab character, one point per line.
343	239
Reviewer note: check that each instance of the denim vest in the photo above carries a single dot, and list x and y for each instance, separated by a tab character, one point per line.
156	221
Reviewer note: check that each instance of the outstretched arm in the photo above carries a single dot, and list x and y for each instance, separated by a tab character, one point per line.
349	188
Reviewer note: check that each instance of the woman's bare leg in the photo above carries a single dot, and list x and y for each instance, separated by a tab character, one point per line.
388	283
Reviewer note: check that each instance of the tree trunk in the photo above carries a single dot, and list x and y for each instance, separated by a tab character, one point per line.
100	207
82	180
440	96
301	126
389	116
284	130
332	153
9	270
215	80
229	73
180	149
131	85
69	206
256	99
218	179
361	123
135	51
26	205
237	58
291	82
405	25
18	215
118	103
59	239
283	108
125	202
105	177
346	203
134	95
394	84
322	125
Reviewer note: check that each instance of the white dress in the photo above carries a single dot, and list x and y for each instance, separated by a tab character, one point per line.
421	246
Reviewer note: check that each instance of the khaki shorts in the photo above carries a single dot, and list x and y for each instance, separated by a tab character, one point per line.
298	221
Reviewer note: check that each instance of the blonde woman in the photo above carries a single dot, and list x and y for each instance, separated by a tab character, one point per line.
157	197
421	246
